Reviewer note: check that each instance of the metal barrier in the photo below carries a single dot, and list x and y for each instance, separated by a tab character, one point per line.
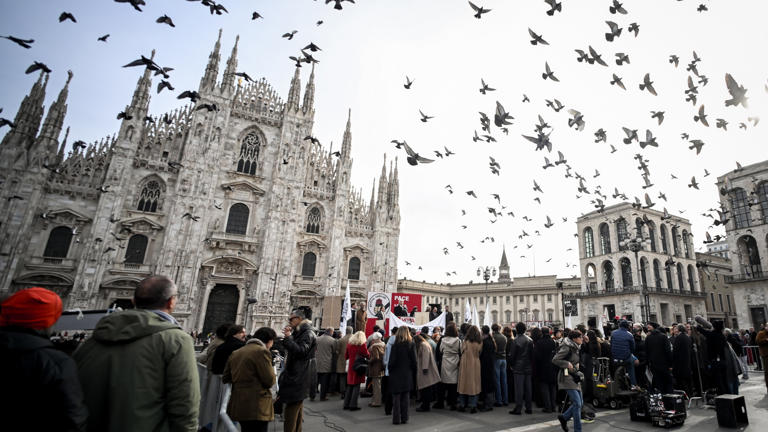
754	361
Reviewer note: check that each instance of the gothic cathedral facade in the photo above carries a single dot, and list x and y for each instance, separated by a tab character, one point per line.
247	216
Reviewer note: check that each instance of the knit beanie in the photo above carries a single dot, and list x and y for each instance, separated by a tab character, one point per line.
35	308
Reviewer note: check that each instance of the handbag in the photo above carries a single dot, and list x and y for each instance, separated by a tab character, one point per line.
360	366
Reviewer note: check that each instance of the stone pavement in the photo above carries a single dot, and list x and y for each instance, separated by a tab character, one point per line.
373	419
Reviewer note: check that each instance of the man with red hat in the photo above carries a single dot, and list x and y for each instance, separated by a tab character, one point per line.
40	387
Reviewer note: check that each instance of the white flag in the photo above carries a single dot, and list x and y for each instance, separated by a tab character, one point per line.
467	312
346	312
568	323
475	317
487	317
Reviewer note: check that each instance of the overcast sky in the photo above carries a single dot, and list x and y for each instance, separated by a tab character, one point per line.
369	47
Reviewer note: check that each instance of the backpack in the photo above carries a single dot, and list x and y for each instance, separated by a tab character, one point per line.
360	366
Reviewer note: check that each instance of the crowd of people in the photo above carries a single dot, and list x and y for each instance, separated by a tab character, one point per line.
138	370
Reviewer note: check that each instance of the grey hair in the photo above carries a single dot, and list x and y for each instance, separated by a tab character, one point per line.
154	292
727	331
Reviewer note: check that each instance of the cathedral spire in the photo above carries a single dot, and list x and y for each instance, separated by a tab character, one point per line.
55	119
346	144
140	100
309	93
382	200
228	80
395	188
372	204
292	104
212	68
29	115
60	155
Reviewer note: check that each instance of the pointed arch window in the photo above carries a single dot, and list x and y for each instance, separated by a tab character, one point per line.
762	196
652	235
643	268
608	275
664	247
626	272
589	243
622	232
150	197
657	273
686	250
308	265
680	283
249	154
58	242
675	242
314	220
691	280
136	249
237	223
605	239
740	208
668	271
353	272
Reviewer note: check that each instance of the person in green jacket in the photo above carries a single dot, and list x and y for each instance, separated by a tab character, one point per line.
138	370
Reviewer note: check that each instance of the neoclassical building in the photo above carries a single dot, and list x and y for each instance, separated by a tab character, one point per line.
536	300
234	204
744	194
616	280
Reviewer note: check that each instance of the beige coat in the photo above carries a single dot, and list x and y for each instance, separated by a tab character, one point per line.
450	347
425	360
250	371
469	369
341	348
376	362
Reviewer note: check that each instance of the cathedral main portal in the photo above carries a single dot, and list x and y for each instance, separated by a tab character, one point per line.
222	307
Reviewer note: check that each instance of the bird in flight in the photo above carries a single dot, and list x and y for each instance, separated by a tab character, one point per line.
536	39
484	87
424	117
701	117
413	157
165	19
408	83
737	92
479	10
548	73
67	16
103	38
25	43
648	84
615	31
553	7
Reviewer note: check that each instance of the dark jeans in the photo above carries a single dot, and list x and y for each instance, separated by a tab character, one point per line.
352	395
254	426
325	380
386	395
400	407
548	394
522	387
662	380
342	380
426	397
439	394
452	395
684	384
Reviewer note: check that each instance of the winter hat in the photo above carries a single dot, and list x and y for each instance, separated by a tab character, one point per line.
36	308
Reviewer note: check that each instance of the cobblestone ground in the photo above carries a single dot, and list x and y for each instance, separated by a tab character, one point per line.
373	419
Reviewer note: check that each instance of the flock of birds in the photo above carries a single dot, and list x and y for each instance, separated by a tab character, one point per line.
490	124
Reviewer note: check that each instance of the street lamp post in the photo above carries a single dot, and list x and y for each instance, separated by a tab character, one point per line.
559	286
636	244
486	273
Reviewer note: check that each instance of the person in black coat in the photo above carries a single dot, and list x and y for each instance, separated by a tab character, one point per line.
488	368
235	340
300	346
543	351
40	386
659	352
521	359
681	360
642	357
402	368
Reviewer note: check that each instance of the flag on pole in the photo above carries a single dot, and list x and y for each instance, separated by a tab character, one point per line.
475	317
346	312
487	317
568	323
467	312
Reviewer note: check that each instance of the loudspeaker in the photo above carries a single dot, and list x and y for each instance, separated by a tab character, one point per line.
674	402
731	411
